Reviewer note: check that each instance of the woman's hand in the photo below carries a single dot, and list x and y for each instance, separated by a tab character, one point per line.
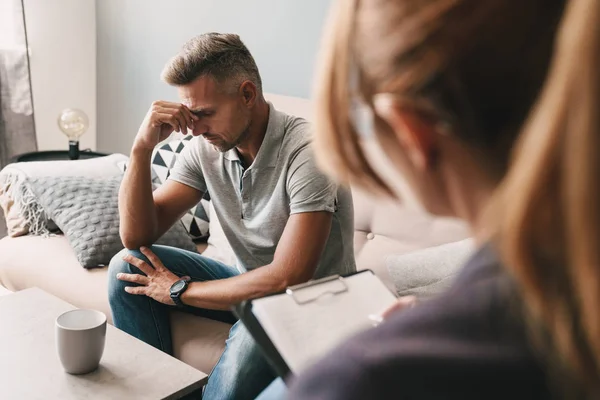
402	303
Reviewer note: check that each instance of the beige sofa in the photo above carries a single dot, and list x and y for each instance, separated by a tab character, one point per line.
382	228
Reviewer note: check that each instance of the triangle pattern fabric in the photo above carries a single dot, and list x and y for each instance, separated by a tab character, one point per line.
187	220
200	213
158	160
173	145
162	173
196	220
195	230
202	226
168	157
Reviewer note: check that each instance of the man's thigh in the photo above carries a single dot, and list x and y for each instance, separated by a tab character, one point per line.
196	266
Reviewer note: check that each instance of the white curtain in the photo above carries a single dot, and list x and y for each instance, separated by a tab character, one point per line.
17	128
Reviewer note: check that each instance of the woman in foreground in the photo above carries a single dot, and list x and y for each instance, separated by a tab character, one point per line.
447	87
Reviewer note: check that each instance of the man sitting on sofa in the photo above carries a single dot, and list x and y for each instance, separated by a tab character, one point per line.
285	221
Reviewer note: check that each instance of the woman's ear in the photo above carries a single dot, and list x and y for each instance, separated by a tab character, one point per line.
416	135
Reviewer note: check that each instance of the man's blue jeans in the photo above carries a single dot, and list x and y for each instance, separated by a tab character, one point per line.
241	373
277	390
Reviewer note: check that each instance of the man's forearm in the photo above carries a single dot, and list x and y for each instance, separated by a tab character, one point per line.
137	212
224	293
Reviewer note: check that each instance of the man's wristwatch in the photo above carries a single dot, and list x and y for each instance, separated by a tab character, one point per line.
178	288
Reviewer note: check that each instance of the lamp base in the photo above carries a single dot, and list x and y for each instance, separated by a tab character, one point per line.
73	150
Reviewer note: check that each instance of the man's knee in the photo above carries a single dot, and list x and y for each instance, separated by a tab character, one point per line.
118	265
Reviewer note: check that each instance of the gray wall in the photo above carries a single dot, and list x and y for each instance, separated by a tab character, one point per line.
137	37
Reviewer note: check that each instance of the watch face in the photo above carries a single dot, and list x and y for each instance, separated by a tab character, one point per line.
177	286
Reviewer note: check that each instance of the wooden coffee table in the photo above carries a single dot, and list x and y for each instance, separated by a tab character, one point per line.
130	368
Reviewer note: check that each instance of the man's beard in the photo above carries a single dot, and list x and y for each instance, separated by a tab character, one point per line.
224	147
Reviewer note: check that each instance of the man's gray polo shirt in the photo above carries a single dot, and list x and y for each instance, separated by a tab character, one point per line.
253	205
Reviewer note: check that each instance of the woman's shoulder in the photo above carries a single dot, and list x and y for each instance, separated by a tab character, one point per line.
467	343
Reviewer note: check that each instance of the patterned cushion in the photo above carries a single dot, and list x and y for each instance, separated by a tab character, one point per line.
86	211
16	201
196	220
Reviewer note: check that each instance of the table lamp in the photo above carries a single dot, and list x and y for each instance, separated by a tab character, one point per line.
73	123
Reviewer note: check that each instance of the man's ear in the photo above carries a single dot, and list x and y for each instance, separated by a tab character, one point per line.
248	91
416	134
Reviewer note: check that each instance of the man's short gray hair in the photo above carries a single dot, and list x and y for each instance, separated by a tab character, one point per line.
223	56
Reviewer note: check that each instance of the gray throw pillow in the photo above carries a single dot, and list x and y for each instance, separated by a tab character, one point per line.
428	272
86	211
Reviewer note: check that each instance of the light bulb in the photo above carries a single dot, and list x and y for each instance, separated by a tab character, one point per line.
73	123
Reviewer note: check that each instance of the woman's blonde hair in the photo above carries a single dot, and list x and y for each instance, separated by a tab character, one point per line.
485	63
550	229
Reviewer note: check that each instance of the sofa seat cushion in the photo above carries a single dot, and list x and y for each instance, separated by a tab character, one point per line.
428	272
198	341
50	264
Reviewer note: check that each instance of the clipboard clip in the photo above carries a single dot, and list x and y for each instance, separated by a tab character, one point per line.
330	289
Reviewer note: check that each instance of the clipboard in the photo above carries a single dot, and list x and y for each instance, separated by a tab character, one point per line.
295	327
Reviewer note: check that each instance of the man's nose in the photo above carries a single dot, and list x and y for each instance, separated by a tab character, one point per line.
200	128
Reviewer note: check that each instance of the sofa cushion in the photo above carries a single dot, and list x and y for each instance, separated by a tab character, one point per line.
14	174
86	211
428	272
195	220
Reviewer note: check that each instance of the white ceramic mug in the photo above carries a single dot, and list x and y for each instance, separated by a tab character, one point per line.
80	338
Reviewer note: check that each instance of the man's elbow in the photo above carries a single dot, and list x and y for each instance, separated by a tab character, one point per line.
279	283
294	279
132	241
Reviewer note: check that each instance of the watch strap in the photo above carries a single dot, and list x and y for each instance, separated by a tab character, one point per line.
176	297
